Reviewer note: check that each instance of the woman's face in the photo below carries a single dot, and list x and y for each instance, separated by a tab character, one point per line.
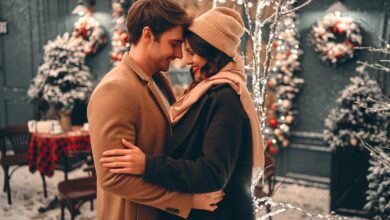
194	60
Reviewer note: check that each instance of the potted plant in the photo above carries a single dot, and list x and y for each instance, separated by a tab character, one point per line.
62	81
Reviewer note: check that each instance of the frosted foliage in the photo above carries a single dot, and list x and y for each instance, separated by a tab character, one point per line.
355	116
378	193
63	77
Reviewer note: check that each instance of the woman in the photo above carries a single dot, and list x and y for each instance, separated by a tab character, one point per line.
217	142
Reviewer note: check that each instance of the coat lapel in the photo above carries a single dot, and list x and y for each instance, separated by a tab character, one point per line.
166	86
157	98
152	89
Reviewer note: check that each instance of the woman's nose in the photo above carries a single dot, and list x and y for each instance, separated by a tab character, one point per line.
188	60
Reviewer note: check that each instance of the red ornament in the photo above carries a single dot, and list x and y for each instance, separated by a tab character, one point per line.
275	44
269	142
335	26
124	38
339	54
273	123
337	29
273	150
115	57
270	84
341	31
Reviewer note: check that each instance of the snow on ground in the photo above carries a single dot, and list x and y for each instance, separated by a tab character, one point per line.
27	197
313	200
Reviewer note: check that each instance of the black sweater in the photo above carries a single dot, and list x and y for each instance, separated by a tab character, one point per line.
211	150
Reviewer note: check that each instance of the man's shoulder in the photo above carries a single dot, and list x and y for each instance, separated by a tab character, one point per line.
121	74
120	77
114	84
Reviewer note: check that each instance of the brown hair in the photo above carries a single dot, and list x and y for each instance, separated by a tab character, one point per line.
159	15
216	59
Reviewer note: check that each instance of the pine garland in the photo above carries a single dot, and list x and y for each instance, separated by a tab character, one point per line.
283	84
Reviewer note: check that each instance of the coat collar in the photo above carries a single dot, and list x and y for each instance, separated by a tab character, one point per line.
135	67
160	80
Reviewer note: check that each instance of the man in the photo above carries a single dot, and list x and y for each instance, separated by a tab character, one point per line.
132	102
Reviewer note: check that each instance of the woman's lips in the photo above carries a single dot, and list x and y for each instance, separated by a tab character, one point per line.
195	69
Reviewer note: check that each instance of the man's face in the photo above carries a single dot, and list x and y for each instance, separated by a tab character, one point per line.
166	49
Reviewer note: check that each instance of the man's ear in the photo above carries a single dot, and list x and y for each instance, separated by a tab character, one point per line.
147	34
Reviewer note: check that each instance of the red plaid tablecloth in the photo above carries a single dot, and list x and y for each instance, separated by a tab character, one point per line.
46	149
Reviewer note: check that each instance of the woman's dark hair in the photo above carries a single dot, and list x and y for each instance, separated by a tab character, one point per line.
216	59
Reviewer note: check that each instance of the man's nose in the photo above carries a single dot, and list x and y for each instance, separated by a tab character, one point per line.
178	53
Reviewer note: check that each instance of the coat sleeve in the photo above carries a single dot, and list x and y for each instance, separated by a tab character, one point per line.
212	171
110	120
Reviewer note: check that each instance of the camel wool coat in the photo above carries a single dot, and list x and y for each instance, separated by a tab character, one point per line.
126	104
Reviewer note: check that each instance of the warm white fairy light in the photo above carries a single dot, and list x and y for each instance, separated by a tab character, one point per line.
119	42
215	3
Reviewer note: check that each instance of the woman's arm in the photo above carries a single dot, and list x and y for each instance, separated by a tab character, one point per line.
208	173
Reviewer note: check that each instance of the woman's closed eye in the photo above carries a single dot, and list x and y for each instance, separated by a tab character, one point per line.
190	52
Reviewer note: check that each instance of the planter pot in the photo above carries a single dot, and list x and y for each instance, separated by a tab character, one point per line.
65	121
349	181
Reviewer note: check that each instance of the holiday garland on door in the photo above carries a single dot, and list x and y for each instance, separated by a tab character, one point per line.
119	42
354	116
90	34
335	38
283	84
63	78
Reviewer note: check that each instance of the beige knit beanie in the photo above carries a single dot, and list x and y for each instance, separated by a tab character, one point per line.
221	27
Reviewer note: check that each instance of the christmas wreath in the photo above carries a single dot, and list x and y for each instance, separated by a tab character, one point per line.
90	34
335	38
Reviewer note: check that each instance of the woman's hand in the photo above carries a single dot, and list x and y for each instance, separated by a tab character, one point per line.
126	161
207	201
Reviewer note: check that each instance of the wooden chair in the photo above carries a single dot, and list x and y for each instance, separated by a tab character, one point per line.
14	139
269	178
74	193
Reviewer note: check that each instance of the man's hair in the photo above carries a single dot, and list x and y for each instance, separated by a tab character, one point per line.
159	15
216	59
